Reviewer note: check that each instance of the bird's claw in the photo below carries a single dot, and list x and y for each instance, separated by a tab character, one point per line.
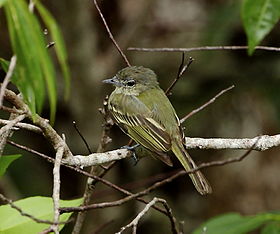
132	149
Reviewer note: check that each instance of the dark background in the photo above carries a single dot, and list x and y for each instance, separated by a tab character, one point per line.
250	109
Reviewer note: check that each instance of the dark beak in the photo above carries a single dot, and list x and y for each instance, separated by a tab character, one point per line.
114	81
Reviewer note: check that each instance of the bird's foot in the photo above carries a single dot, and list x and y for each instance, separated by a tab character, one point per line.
132	149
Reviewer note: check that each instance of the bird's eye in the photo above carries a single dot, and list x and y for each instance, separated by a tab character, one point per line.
130	83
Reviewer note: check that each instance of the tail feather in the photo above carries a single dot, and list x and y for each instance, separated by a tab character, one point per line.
200	182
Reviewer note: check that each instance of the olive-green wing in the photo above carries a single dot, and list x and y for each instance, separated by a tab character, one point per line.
144	130
137	120
162	111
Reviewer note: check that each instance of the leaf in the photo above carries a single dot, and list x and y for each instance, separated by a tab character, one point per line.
5	161
34	66
24	89
259	17
59	43
12	222
272	228
2	2
233	223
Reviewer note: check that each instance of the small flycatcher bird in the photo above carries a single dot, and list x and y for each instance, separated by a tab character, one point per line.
143	111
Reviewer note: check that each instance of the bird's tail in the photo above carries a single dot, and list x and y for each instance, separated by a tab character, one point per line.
198	179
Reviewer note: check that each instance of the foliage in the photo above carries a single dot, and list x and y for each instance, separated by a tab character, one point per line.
234	223
34	68
5	161
259	17
13	222
35	73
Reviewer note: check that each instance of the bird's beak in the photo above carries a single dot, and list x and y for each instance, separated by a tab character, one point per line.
114	81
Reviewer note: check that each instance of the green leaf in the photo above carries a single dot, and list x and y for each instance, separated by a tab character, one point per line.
259	17
233	223
272	228
34	66
5	161
12	222
21	84
2	2
59	43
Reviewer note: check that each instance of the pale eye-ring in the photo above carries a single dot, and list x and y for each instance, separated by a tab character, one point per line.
130	83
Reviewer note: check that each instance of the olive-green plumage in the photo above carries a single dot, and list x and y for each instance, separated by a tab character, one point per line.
143	111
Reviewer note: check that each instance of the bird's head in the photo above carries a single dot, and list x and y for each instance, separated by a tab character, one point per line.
134	78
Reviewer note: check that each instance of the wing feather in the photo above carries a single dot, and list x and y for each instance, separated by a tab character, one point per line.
144	131
145	120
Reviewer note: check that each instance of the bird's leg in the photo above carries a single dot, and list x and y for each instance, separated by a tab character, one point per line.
132	149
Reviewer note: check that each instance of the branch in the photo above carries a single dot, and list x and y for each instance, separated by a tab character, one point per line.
205	104
11	110
48	131
56	188
126	199
29	127
96	178
7	78
136	220
110	34
22	213
202	48
90	185
156	185
181	71
97	158
264	142
7	129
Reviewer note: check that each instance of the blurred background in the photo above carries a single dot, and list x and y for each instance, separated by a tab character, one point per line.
250	109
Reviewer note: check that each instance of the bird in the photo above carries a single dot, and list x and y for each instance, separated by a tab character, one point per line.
143	111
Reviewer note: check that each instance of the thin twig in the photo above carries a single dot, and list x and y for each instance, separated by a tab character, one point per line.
88	189
25	126
105	170
11	110
7	78
124	200
181	70
156	185
206	104
90	185
56	188
223	162
133	224
110	34
81	135
22	213
7	130
96	178
202	48
48	131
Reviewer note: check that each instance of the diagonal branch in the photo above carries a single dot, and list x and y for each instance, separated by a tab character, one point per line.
6	131
205	104
181	71
48	131
110	34
22	213
136	220
155	185
7	78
